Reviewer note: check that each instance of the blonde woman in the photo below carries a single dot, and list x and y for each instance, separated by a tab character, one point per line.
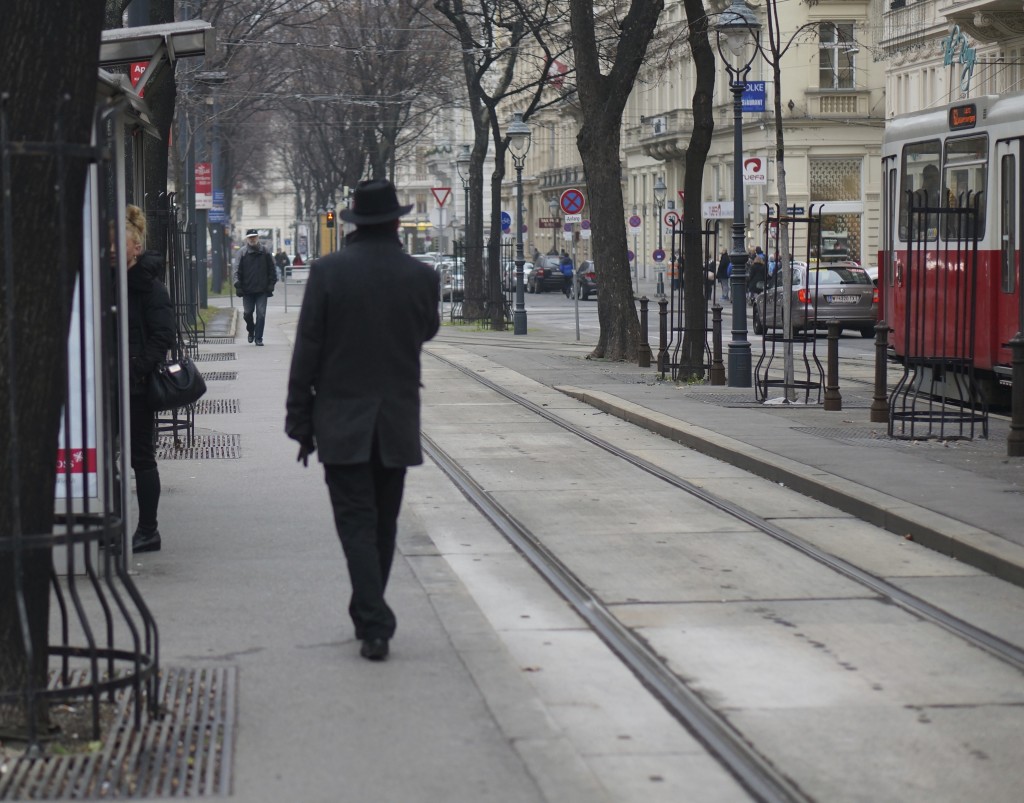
150	336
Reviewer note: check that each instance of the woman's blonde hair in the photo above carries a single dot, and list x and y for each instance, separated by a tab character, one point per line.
135	224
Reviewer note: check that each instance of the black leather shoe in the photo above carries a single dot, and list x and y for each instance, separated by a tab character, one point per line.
252	337
146	542
259	342
374	649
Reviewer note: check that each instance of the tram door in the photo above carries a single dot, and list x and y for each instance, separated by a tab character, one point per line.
1006	271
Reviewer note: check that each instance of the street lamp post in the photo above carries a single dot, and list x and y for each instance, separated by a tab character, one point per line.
736	24
659	204
519	145
462	168
552	214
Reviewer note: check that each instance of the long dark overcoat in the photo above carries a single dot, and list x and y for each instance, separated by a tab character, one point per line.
366	313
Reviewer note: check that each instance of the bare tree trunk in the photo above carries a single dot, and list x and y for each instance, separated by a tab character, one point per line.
36	306
695	305
603	98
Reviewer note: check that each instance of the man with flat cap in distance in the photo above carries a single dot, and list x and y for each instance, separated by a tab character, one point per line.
255	277
354	391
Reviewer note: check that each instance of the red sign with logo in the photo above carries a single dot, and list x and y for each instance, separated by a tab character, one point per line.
135	74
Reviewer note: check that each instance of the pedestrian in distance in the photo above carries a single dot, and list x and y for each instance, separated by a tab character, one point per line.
281	261
255	277
565	265
757	274
151	334
724	272
359	407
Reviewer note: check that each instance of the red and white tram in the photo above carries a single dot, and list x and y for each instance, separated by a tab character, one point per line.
950	285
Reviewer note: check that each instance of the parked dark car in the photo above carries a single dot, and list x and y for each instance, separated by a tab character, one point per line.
586	279
546	275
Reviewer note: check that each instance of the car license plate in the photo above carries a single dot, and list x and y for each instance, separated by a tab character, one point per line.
843	299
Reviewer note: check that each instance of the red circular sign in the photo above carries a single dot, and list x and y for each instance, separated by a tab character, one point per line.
572	202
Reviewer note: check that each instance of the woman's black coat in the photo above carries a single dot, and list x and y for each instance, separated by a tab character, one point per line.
151	329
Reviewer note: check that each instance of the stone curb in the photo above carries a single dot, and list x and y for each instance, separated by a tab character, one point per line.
964	542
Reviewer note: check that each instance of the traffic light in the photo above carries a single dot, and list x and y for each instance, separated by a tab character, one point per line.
330	218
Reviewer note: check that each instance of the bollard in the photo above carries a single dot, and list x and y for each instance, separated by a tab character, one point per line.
833	399
663	336
660	291
643	357
880	400
1015	440
717	376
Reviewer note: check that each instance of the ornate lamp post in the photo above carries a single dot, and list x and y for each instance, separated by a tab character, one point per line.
519	145
462	168
739	26
659	204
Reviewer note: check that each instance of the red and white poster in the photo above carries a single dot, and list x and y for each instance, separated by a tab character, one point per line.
204	185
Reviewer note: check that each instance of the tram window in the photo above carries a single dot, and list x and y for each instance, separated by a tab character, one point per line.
963	180
920	171
1007	221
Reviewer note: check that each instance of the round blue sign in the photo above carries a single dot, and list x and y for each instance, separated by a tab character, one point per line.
630	256
635	221
659	255
567	227
506	220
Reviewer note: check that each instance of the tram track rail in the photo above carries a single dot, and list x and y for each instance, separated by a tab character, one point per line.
758	776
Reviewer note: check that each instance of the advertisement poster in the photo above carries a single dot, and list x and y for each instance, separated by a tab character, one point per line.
77	448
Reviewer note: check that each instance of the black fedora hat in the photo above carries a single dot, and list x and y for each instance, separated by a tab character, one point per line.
374	201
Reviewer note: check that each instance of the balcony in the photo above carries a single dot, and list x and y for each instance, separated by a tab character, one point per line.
985	20
841	103
665	136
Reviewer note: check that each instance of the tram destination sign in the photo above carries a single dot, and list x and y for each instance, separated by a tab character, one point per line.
963	116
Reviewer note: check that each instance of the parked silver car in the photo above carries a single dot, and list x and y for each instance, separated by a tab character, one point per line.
834	291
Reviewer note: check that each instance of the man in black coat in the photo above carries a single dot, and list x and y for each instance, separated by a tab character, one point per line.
354	391
255	277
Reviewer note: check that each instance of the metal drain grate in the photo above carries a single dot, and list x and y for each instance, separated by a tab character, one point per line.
219	376
862	437
216	406
185	753
218	341
216	356
203	447
743	399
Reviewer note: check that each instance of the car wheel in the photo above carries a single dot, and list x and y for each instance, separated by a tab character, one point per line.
758	324
867	332
585	294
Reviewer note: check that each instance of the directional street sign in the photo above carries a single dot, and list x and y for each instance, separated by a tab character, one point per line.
572	202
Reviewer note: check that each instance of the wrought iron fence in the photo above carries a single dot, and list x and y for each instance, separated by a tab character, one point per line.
789	353
937	395
104	637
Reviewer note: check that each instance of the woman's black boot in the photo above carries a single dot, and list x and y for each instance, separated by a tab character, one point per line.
147	489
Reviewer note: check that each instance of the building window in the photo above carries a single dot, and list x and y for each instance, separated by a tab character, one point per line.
837	55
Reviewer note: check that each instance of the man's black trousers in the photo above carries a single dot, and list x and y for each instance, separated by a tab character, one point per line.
366	498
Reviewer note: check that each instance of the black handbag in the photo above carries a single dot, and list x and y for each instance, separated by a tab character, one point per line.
174	384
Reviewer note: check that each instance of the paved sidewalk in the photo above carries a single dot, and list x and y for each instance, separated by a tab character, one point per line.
251	575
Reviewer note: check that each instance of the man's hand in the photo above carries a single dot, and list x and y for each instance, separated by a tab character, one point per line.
306	448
